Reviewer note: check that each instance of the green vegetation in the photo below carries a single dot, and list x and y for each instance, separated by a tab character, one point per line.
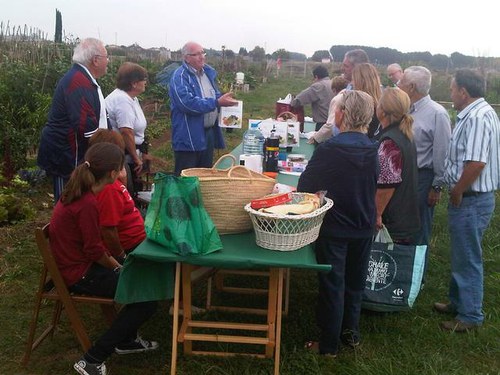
393	344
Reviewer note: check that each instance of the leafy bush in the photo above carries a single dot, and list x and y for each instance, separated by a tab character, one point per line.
14	206
14	209
23	112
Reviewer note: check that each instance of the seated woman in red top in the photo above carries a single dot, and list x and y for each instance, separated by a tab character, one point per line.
122	226
86	265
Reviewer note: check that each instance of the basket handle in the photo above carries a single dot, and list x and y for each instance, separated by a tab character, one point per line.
225	156
242	167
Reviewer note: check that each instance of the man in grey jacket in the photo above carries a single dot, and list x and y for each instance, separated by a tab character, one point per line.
319	95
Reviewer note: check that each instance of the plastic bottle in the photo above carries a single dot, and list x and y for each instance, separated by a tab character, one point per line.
253	140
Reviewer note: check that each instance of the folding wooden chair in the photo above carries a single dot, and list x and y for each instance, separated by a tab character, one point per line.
52	287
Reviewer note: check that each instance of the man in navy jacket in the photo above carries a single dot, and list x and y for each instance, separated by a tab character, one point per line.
195	100
77	111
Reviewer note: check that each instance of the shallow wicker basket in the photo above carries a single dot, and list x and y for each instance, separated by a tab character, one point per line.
287	232
226	191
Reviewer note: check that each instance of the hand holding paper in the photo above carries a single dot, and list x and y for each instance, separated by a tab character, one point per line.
227	100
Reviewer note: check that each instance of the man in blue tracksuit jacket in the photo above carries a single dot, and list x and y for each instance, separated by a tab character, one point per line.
195	100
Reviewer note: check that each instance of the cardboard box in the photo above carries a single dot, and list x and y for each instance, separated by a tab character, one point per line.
271	200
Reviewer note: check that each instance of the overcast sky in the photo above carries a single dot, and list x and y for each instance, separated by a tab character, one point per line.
437	26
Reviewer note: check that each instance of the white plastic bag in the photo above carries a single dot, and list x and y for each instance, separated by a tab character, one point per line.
383	236
286	100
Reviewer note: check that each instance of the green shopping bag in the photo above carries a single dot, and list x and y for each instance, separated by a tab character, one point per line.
177	219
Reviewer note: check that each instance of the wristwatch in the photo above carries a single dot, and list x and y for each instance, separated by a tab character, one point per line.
437	188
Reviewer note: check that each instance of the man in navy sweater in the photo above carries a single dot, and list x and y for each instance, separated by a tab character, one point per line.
346	166
78	110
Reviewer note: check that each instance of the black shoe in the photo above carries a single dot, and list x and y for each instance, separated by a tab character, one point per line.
137	346
85	368
350	338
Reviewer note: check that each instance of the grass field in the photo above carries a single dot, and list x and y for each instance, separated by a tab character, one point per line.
392	344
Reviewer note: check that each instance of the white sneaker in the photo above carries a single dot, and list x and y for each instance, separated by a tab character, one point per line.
85	368
137	346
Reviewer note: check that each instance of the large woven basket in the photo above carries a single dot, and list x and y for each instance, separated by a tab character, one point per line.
226	191
287	232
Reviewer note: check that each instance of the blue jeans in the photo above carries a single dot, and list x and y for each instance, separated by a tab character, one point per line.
341	289
466	226
102	281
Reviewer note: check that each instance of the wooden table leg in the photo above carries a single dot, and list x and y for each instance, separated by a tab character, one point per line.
278	323
286	275
272	306
175	328
187	303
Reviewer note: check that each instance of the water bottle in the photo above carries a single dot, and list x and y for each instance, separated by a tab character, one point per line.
253	140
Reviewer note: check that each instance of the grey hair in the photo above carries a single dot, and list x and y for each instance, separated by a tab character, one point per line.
395	66
357	56
420	76
187	48
358	107
86	50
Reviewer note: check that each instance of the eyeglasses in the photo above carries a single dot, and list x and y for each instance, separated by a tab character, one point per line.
105	56
201	53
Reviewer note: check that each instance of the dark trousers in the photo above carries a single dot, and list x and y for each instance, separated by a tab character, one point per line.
423	237
341	289
101	281
425	178
196	159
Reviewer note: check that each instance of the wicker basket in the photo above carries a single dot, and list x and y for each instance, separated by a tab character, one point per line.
226	191
287	232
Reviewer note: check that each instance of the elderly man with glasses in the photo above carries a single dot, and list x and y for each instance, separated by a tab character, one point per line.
195	100
78	110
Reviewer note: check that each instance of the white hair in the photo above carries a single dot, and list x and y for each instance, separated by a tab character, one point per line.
420	76
188	48
396	66
86	50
